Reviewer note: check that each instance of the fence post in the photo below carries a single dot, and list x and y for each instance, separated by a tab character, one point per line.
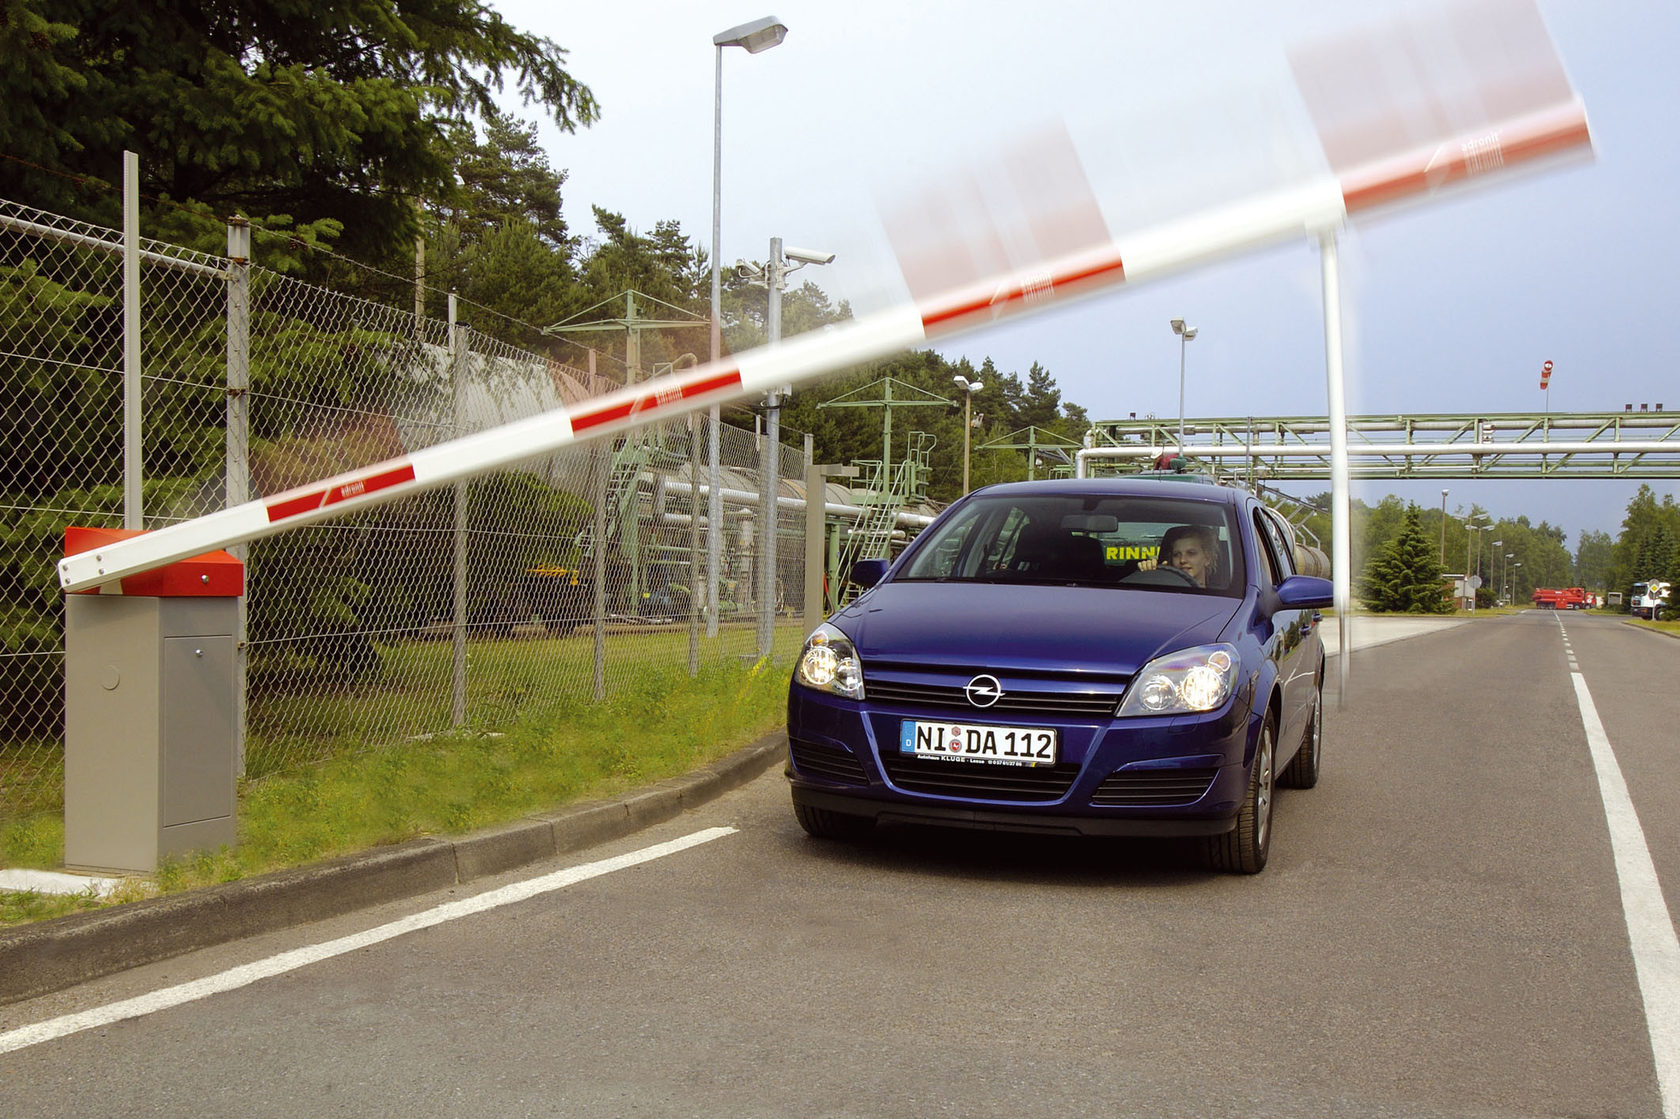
714	519
237	487
817	499
769	479
133	466
816	522
695	595
458	686
601	459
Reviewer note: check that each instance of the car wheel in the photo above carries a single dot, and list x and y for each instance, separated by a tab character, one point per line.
1243	849
1302	773
820	823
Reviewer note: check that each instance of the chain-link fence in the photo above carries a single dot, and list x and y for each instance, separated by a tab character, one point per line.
517	594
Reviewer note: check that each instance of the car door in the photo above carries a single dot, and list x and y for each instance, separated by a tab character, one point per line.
1290	631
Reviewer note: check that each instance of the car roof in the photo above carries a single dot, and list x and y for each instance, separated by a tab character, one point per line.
1120	486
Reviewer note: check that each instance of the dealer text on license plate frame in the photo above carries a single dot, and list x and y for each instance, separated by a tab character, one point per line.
971	742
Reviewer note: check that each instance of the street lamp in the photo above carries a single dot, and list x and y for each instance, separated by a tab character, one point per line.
969	389
1505	570
1514	567
1185	333
1444	528
1470	526
759	35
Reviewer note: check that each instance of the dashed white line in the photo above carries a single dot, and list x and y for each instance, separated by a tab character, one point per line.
246	974
1651	936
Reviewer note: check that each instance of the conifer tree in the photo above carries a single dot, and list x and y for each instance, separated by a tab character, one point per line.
1405	574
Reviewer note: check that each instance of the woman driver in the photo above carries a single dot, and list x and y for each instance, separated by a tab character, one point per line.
1190	549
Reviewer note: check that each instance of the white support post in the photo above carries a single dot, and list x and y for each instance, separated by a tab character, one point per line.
458	675
133	464
696	598
1341	559
237	462
714	518
601	459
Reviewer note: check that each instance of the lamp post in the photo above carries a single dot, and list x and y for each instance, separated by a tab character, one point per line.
1185	333
759	35
969	389
1514	567
1470	526
1444	528
1504	573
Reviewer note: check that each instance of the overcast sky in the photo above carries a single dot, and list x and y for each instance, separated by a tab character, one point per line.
1450	307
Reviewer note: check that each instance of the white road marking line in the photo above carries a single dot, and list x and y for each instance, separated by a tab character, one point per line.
246	974
1656	950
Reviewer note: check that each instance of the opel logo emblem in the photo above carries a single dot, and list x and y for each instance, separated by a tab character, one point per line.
983	691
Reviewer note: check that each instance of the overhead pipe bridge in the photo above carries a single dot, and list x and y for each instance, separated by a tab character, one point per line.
1628	444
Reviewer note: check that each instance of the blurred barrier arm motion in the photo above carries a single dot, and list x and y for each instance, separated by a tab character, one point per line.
1393	114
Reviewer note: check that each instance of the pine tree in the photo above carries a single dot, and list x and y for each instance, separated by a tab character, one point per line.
336	116
1405	574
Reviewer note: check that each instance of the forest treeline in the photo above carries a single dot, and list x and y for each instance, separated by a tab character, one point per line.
1513	552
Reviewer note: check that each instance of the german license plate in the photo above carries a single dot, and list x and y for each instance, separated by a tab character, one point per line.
967	742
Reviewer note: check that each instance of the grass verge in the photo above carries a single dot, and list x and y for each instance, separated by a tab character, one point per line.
662	724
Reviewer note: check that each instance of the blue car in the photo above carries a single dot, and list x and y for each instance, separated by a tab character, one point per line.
1118	656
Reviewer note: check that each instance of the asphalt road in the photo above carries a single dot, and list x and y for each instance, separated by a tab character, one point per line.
1439	933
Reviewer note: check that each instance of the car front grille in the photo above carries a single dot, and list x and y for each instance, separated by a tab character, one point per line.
828	763
1024	784
1153	788
1092	704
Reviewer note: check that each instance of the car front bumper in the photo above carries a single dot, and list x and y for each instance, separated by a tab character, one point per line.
1163	776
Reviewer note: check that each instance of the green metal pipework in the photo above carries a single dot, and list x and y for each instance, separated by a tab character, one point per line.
1518	442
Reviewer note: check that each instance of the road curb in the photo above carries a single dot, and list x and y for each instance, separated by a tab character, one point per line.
49	956
1648	629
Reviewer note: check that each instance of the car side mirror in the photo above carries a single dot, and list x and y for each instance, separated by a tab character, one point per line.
1305	592
866	573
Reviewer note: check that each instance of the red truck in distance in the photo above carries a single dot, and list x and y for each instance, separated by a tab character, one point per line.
1569	598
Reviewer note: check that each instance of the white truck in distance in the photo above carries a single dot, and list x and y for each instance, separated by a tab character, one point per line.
1649	598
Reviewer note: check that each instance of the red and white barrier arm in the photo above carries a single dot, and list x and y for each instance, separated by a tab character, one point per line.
1305	210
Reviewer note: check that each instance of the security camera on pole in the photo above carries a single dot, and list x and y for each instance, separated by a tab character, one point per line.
774	276
969	389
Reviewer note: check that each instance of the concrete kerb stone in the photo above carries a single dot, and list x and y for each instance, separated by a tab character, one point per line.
48	956
51	955
499	849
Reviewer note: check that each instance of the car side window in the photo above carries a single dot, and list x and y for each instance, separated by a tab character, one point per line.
1000	548
1282	542
941	562
1271	573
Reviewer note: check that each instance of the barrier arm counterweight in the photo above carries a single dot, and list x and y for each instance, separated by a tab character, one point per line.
1316	207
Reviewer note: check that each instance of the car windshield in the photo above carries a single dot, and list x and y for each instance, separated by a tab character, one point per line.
1086	540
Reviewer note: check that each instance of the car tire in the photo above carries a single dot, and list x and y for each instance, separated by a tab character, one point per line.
1302	772
820	823
1244	848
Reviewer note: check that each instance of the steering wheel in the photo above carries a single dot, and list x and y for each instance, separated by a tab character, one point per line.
1164	575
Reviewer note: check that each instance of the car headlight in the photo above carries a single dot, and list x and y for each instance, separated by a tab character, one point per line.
829	663
1190	680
